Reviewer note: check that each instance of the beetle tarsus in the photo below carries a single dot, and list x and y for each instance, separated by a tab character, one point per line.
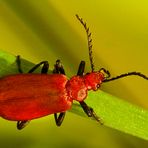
22	124
90	112
96	117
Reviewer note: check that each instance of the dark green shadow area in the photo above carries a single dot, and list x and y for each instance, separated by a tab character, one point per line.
54	31
8	141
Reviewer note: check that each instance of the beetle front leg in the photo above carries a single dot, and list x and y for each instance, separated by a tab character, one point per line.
22	124
90	112
60	118
81	68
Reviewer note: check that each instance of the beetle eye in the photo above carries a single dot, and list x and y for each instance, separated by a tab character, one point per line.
96	88
87	73
105	72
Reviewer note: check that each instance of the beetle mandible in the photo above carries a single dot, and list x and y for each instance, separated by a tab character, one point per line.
24	97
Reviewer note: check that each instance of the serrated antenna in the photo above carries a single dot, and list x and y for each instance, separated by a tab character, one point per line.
127	74
89	40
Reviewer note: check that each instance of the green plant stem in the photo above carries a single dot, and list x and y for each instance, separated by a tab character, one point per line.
114	112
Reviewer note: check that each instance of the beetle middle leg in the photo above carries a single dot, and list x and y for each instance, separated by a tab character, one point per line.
44	68
58	68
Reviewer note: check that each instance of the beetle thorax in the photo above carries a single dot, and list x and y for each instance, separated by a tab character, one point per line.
76	88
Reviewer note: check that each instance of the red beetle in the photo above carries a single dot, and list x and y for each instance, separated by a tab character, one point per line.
24	97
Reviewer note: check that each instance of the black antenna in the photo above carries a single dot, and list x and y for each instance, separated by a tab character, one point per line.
89	41
125	75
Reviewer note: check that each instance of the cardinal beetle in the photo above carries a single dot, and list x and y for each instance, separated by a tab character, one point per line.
24	97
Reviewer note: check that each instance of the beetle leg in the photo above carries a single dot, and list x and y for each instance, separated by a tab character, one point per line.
58	67
18	62
44	68
81	68
22	124
90	112
60	118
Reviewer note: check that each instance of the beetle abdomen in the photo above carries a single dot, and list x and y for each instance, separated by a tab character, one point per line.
29	96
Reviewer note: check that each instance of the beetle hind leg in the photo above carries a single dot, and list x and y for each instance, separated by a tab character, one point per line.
59	119
58	69
44	68
18	62
22	124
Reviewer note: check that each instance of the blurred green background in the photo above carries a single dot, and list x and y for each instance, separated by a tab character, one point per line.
48	30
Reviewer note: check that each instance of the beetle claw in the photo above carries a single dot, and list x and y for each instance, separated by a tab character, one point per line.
98	119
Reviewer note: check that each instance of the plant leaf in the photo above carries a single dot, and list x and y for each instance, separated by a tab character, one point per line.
115	112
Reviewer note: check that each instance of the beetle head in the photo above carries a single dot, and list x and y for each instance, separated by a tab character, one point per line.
93	80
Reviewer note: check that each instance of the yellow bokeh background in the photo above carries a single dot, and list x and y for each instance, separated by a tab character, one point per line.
48	30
